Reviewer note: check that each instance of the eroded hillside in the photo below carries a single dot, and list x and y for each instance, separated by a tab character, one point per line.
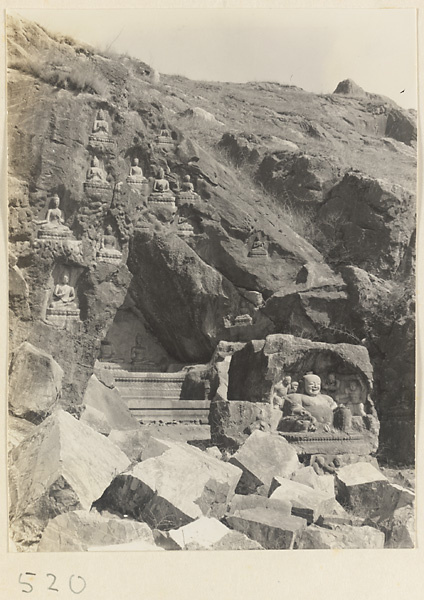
304	223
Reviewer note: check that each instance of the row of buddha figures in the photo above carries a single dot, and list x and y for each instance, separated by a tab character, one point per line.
101	140
96	179
305	408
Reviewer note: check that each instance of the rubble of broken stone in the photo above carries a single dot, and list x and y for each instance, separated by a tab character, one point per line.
103	482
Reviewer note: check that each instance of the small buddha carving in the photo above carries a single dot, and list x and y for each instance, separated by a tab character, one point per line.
258	248
109	246
164	138
185	229
294	387
64	295
95	173
331	384
312	406
186	185
138	351
186	191
161	184
136	173
100	123
161	191
54	222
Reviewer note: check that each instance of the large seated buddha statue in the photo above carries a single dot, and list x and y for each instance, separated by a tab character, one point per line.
136	174
109	251
310	410
161	191
54	224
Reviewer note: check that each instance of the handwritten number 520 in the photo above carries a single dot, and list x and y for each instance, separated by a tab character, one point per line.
77	584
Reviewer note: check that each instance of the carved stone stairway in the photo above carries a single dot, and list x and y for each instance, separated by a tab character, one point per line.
157	397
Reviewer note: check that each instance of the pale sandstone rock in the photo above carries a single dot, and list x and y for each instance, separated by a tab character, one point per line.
262	457
135	546
174	488
306	502
399	528
78	530
35	383
131	442
17	431
341	537
204	532
64	465
268	527
322	483
96	420
361	488
109	402
241	502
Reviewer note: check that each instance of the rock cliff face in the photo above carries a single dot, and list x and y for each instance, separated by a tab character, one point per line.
292	188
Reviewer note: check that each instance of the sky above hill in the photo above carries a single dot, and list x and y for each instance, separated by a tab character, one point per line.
312	49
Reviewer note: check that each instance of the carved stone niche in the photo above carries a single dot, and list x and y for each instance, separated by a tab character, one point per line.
164	139
186	193
62	299
96	185
99	139
135	179
109	251
258	247
53	226
328	413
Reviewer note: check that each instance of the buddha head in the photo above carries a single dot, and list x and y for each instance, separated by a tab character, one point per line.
138	340
55	201
286	380
161	173
186	178
312	384
108	230
95	161
353	386
294	387
65	279
135	162
100	115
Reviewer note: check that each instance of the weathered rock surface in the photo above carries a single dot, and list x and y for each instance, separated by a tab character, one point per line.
399	529
35	383
110	404
177	485
18	430
78	530
375	220
306	502
322	483
247	502
268	527
202	533
341	537
361	488
262	457
63	466
131	442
